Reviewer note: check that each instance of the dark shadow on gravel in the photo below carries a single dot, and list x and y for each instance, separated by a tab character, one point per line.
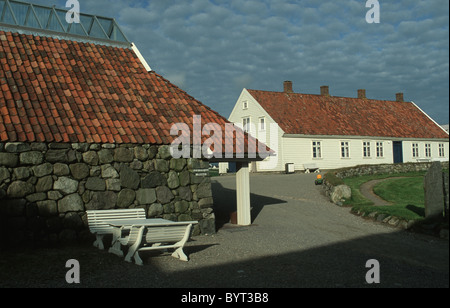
225	203
417	263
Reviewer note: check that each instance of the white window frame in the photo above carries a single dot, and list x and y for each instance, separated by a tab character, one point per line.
367	149
380	149
428	153
415	150
262	124
441	150
316	149
244	105
246	124
345	149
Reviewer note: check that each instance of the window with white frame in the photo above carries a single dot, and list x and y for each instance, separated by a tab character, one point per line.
427	150
245	105
246	124
415	150
317	149
345	149
441	150
366	149
262	124
380	149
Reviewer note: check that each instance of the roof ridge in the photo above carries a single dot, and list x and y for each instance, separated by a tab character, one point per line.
315	114
328	96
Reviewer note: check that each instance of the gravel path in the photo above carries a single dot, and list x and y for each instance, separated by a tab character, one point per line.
298	239
367	191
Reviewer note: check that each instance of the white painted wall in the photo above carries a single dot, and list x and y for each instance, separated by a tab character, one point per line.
271	136
408	152
299	149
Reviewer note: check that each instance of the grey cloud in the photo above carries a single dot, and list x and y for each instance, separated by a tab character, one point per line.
214	48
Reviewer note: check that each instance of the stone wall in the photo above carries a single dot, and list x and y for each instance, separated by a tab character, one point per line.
383	169
45	189
333	178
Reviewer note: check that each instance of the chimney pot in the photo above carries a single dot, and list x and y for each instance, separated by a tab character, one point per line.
361	93
288	87
399	97
325	90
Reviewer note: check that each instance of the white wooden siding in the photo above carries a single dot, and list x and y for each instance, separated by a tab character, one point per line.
408	152
299	152
255	112
298	149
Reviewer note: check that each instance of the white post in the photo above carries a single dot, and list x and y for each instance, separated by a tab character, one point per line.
243	195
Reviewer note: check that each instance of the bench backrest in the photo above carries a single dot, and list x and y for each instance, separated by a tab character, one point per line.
96	218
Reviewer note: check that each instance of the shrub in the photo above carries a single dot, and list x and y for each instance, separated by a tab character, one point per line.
332	179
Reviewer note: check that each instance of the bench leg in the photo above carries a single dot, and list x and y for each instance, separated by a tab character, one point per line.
99	242
179	254
137	259
133	250
116	247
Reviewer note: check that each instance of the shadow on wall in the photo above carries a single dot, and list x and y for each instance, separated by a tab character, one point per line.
225	203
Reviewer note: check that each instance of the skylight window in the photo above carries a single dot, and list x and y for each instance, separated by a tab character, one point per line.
37	17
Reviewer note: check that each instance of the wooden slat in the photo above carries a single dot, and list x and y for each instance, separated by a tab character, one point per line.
96	218
165	234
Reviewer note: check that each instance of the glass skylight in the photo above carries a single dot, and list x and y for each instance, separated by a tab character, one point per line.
27	15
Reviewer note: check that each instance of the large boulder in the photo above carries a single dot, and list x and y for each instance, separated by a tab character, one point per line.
340	194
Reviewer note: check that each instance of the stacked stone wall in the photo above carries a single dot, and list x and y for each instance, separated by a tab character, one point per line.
333	178
384	169
45	189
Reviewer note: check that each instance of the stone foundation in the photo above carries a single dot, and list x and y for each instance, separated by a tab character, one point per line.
45	189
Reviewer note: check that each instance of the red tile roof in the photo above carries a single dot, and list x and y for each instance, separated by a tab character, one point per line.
66	91
308	114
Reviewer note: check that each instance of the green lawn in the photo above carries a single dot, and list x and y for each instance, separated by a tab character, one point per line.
406	194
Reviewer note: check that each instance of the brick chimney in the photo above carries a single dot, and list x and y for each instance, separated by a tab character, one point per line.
288	87
399	97
362	93
325	90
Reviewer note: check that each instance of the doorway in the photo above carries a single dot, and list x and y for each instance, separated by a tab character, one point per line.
398	152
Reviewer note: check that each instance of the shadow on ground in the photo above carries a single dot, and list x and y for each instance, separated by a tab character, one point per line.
225	203
333	266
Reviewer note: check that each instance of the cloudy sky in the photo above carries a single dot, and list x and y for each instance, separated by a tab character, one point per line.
214	48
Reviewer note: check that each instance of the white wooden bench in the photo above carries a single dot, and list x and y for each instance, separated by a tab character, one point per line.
150	234
97	225
424	160
311	168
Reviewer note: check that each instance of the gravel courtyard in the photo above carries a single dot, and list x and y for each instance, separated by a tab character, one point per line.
298	240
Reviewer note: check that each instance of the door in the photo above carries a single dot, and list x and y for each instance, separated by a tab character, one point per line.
398	152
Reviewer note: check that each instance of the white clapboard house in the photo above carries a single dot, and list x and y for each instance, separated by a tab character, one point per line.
322	131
